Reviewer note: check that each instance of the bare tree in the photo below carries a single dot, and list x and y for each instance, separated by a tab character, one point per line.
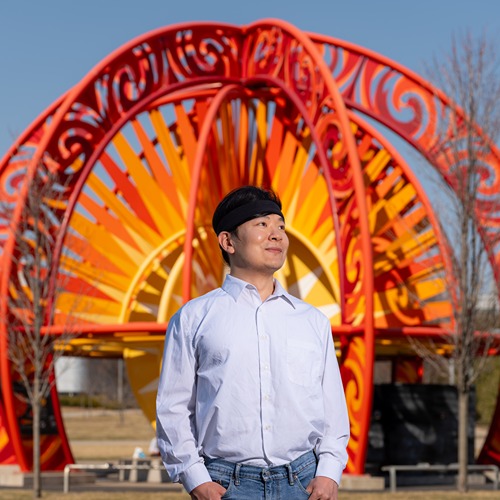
34	286
469	75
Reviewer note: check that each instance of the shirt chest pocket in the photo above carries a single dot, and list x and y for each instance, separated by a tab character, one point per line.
303	362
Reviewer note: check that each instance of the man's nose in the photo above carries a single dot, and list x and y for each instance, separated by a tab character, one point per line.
275	234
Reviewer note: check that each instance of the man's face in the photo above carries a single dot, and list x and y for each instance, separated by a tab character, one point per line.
259	245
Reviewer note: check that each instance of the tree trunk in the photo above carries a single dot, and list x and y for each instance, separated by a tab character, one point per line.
37	489
463	442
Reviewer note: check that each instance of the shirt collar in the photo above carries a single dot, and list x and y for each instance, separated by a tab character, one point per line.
234	286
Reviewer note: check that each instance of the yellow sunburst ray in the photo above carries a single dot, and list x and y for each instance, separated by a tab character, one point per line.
93	275
148	190
136	255
285	163
103	217
258	130
186	134
386	212
104	319
102	241
75	303
375	166
413	219
177	161
228	135
389	183
307	181
324	239
220	165
428	271
311	209
169	198
413	245
241	139
159	170
277	130
125	215
296	174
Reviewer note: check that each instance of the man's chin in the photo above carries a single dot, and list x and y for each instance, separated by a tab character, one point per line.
275	267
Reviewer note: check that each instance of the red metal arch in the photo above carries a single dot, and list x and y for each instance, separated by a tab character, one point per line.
223	61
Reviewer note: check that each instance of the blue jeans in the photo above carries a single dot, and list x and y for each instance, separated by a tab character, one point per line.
247	482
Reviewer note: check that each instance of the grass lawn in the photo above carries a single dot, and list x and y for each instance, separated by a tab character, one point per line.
106	435
97	424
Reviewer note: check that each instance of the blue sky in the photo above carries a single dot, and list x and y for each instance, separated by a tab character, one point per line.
47	46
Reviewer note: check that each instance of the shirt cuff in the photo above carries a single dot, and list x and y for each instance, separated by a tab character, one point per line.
194	476
329	467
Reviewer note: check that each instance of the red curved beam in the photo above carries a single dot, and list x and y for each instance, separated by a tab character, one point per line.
360	196
195	183
250	82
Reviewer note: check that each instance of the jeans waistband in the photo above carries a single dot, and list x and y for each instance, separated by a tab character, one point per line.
265	473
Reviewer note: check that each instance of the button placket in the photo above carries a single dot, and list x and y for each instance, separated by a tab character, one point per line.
265	376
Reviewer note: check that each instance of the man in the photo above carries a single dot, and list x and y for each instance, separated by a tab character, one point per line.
250	403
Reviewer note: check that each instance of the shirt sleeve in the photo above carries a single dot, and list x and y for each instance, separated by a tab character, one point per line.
175	408
332	448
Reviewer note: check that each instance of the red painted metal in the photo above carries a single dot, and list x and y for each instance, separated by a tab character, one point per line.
358	73
329	82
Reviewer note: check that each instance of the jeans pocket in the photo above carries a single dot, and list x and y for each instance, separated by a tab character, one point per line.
304	477
222	477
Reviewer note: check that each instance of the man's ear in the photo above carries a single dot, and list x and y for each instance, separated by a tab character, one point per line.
226	242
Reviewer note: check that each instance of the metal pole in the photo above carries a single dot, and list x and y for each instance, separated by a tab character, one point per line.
392	478
66	478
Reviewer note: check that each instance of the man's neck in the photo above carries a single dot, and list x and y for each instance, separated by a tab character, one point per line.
263	283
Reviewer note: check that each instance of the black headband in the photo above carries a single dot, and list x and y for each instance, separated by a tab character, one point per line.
246	212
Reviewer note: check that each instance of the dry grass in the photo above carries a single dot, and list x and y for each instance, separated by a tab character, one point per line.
95	424
104	435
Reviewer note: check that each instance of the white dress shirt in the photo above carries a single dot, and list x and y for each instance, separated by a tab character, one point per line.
251	382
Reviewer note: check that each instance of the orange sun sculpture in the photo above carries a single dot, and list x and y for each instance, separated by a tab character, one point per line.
154	136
